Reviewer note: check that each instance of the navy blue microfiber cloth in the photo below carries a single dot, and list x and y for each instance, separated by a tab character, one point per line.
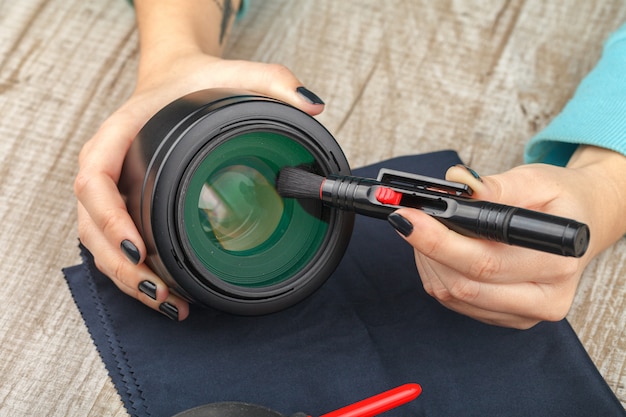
370	328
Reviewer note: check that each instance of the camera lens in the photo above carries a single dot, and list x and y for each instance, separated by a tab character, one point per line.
199	181
235	222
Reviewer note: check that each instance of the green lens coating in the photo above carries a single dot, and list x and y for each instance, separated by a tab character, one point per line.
238	226
239	207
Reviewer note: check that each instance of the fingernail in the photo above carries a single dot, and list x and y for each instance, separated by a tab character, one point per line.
131	251
149	288
169	310
401	224
471	171
309	96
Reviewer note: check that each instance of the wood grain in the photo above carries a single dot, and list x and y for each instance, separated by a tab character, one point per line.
398	77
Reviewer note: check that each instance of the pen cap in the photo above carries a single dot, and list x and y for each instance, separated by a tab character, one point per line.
548	233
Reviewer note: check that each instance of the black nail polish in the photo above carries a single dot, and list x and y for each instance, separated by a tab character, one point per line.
169	310
149	288
131	251
309	96
471	171
401	224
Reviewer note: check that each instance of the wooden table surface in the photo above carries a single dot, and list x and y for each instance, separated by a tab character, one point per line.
398	78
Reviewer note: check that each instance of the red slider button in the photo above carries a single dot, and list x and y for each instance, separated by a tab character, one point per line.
388	196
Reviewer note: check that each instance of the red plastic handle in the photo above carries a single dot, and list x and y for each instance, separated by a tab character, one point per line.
379	403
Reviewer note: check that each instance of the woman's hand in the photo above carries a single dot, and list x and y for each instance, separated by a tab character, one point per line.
511	286
105	226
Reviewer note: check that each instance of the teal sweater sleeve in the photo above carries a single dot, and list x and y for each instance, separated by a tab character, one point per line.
596	115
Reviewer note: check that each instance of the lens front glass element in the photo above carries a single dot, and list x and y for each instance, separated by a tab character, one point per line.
237	225
239	207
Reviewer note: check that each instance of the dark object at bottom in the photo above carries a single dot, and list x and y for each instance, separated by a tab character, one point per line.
229	409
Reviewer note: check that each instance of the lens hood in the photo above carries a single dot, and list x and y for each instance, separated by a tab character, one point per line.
199	183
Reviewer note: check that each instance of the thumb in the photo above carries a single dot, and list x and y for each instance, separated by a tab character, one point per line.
277	81
483	188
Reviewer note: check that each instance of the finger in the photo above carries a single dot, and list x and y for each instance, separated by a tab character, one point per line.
137	281
114	265
465	175
514	187
511	306
436	289
483	260
494	318
504	305
101	199
276	81
96	189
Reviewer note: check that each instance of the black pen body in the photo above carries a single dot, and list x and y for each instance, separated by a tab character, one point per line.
515	226
354	194
469	217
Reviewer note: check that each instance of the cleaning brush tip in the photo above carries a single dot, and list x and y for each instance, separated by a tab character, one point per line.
293	182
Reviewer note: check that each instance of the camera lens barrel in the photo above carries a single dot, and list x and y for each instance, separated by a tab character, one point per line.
199	182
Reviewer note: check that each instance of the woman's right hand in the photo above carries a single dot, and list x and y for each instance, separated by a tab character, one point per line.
105	227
